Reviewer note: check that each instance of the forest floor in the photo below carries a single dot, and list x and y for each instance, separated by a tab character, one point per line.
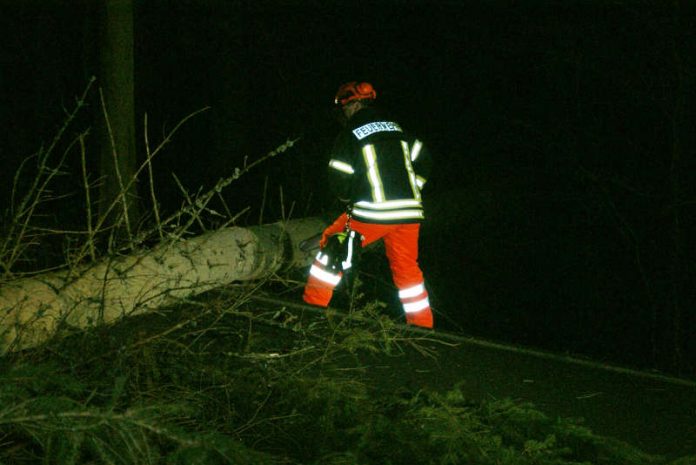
655	413
252	376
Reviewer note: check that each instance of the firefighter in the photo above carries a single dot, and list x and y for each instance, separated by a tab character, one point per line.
378	170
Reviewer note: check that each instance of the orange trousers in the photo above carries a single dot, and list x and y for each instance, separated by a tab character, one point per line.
401	244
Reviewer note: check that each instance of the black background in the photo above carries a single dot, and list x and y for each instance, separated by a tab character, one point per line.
560	213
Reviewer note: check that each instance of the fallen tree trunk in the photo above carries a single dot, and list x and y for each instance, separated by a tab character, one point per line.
32	309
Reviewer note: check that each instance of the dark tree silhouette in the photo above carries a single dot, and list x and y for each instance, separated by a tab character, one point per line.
118	160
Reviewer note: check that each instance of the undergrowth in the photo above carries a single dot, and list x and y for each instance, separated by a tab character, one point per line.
229	381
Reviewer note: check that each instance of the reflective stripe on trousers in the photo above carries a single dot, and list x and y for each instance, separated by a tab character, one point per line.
321	282
401	244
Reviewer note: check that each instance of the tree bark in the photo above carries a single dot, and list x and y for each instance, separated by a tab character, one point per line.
118	161
33	309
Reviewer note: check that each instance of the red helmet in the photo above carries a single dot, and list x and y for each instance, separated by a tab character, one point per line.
355	91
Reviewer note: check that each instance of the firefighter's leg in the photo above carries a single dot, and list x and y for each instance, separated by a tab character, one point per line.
321	282
402	251
370	233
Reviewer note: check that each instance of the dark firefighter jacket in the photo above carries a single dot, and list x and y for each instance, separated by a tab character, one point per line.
379	169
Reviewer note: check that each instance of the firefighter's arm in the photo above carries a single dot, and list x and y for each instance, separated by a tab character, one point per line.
340	175
421	161
341	169
337	226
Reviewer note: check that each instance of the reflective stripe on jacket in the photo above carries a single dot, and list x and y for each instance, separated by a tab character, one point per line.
379	169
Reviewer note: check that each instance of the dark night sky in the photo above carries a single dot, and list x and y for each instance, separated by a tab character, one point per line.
562	131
